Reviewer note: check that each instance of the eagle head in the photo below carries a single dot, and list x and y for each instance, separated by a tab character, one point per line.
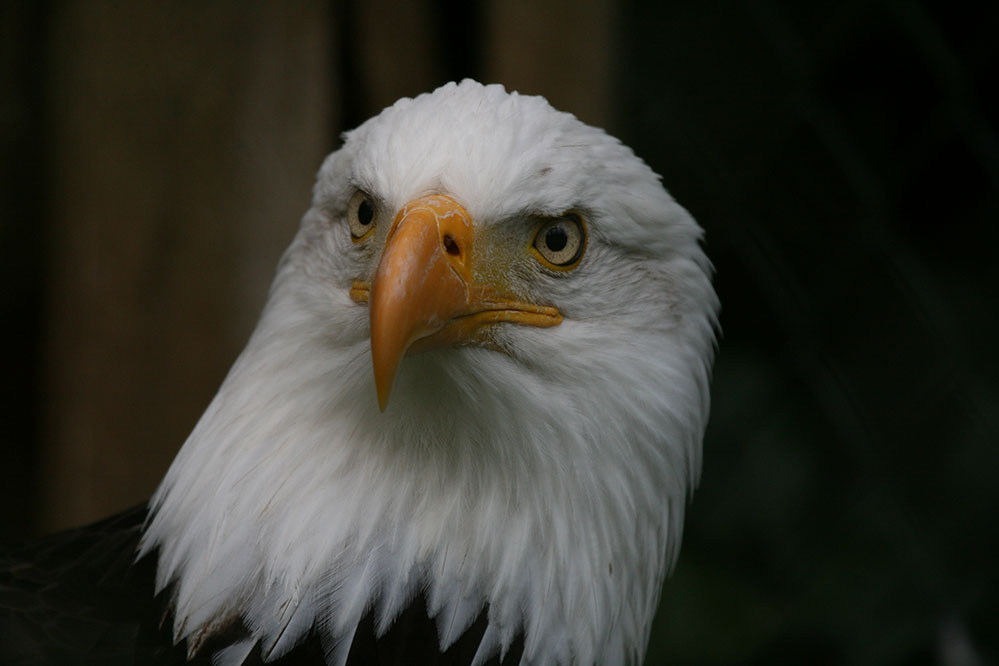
481	380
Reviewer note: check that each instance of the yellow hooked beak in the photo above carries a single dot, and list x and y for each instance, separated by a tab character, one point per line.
424	296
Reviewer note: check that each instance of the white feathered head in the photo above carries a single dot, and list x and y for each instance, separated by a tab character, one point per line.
482	374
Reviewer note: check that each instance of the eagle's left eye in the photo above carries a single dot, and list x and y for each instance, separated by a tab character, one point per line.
360	215
559	242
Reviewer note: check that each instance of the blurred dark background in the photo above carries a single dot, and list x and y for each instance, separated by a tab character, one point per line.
842	156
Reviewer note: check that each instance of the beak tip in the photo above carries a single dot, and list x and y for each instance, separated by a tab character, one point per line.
384	390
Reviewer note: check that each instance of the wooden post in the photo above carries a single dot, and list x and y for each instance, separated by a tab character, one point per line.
185	141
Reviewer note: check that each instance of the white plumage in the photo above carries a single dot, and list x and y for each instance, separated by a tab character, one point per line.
543	473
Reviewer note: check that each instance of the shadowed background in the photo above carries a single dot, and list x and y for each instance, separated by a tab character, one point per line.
842	157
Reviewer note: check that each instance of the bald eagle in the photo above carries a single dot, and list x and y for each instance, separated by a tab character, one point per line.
464	430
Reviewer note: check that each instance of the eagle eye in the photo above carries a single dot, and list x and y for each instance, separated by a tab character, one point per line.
360	215
559	242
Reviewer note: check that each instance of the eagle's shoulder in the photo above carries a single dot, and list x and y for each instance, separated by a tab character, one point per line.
79	597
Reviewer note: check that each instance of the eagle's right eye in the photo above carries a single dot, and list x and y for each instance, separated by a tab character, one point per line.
360	215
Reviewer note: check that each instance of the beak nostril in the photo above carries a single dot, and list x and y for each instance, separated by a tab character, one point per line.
450	246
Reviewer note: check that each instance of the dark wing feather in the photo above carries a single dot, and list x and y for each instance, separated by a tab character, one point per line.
78	597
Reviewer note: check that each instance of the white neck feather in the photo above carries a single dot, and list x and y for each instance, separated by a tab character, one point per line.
296	505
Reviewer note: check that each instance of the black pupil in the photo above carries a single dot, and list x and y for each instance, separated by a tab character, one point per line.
365	212
556	239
